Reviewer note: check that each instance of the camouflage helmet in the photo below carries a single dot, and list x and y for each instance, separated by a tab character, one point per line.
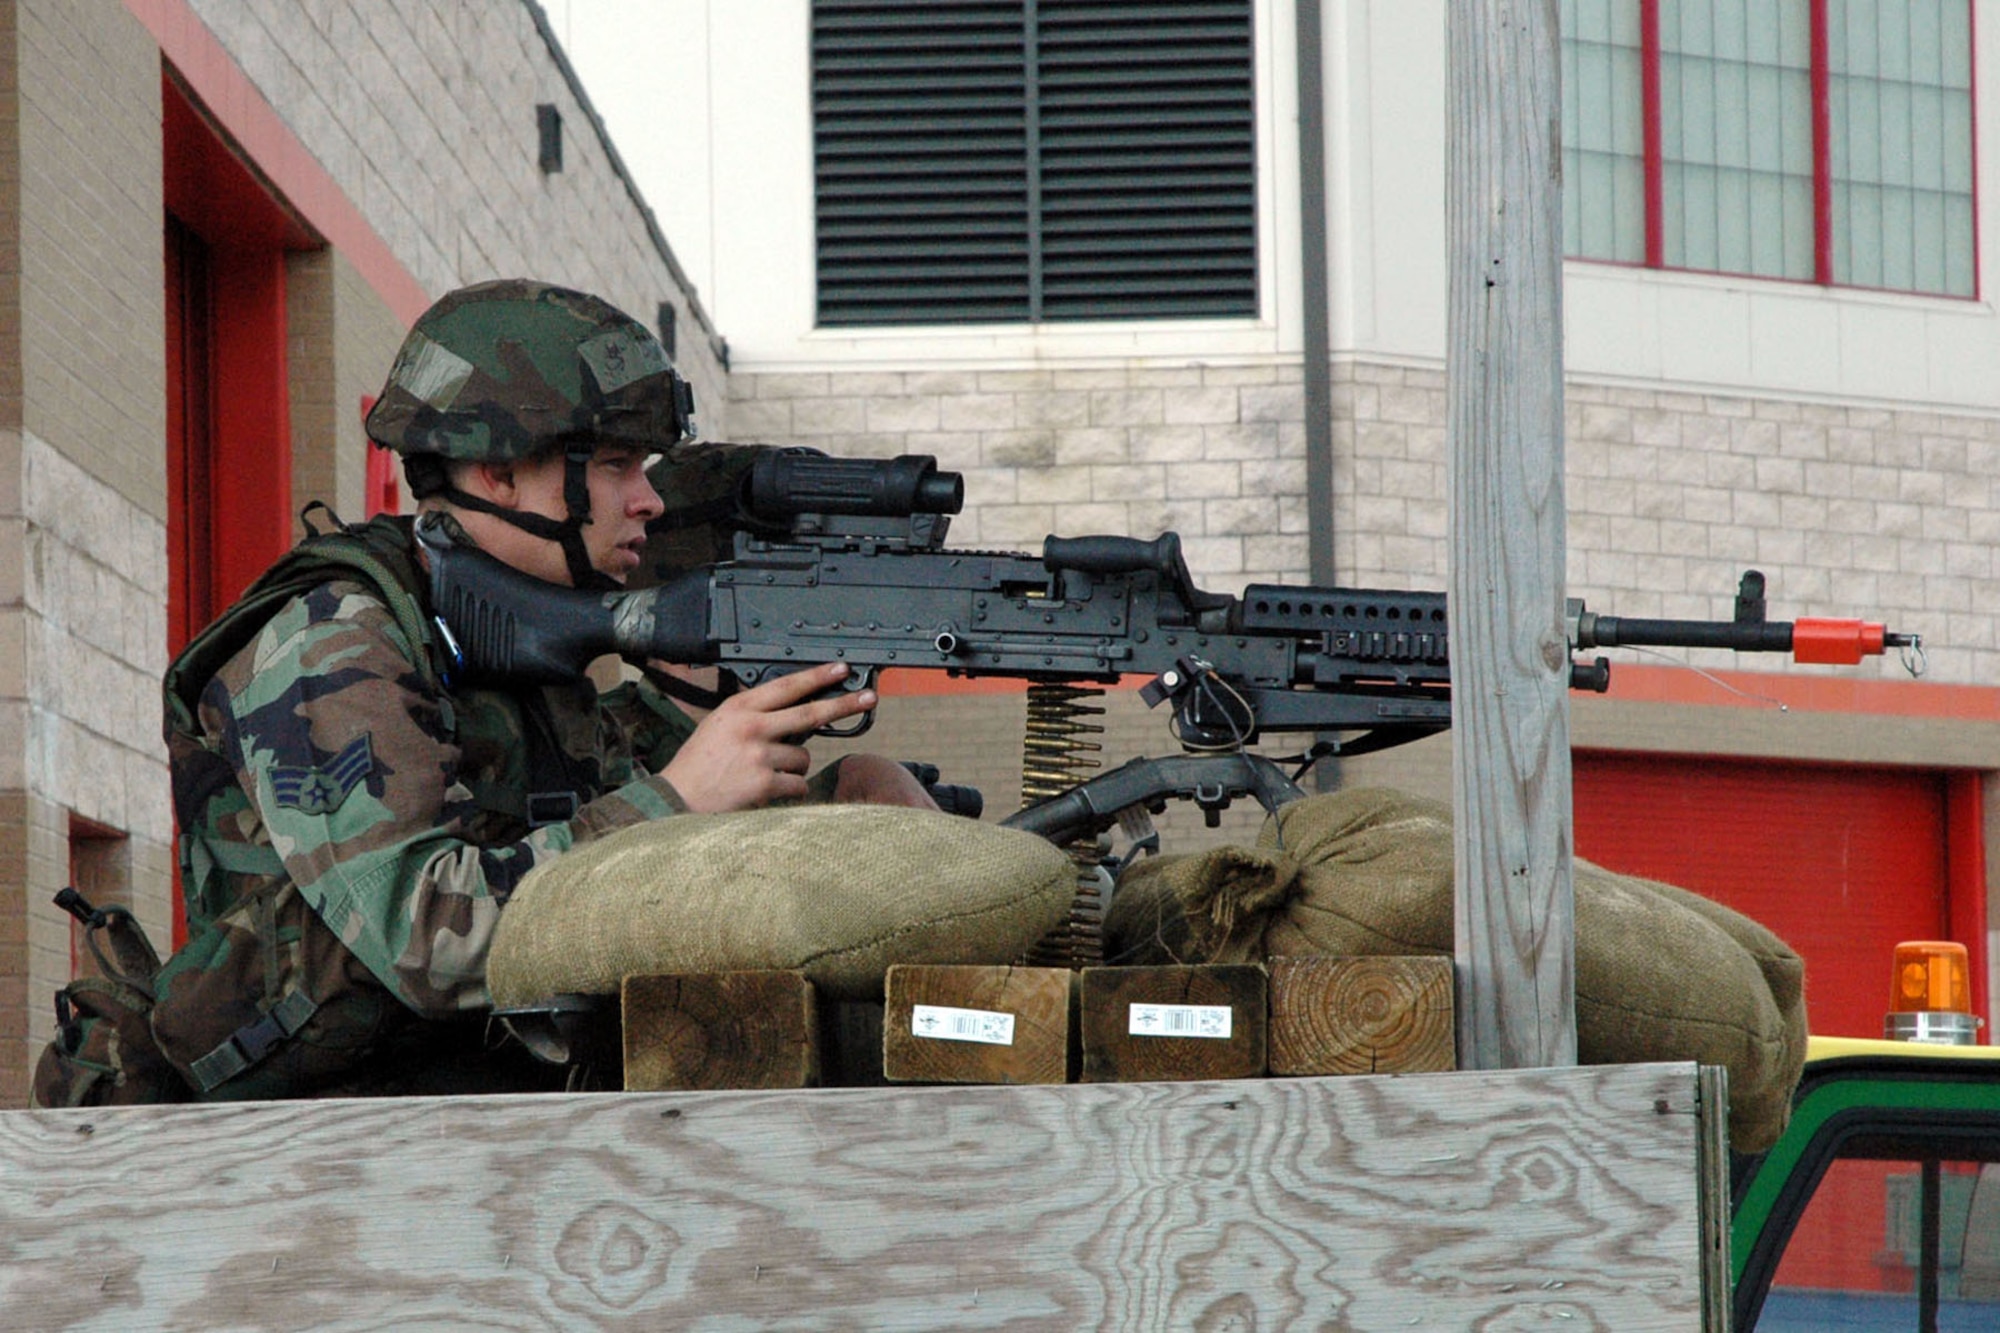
514	368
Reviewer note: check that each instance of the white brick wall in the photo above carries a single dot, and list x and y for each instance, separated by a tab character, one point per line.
96	592
1848	510
1215	453
423	112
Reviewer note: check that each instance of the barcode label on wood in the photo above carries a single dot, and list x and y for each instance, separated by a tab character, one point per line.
1180	1020
943	1024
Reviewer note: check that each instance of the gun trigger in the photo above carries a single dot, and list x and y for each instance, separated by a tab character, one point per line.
861	724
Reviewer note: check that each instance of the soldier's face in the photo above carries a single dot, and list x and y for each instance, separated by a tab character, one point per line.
622	502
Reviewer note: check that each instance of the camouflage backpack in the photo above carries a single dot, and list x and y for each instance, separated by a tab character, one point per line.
262	1001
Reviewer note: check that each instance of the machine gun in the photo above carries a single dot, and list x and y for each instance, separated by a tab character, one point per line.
844	560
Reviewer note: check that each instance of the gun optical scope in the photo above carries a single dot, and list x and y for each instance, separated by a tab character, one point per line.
802	482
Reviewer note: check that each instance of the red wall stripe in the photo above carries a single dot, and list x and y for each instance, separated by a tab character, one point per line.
261	135
1633	682
1972	45
1639	683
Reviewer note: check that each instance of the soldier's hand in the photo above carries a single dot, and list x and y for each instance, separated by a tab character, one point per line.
743	754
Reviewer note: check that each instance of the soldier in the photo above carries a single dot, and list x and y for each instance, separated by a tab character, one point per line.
353	822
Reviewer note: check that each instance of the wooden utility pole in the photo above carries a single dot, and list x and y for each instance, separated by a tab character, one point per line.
1509	649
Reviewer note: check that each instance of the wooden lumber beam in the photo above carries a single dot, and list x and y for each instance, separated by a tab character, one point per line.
717	1030
1515	917
1377	1015
1560	1198
1173	1022
977	1024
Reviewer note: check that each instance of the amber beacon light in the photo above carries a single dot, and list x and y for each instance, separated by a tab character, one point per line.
1930	997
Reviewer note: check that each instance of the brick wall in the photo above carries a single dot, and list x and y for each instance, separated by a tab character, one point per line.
342	339
423	112
92	294
82	491
1215	453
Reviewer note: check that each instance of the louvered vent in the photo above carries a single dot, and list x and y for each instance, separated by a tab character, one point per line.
1009	162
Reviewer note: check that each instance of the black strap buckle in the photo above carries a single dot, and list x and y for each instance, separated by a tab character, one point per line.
551	807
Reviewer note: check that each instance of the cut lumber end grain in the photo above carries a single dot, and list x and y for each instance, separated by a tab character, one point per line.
1374	1015
1173	1022
976	1024
719	1030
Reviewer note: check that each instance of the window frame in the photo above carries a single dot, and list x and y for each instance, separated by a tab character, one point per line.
1653	162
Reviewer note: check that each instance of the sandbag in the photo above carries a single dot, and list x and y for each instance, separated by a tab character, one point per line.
838	892
1661	973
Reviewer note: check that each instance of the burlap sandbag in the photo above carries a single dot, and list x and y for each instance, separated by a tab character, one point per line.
839	892
1661	973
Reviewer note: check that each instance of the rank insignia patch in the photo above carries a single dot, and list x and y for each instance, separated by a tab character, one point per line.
321	791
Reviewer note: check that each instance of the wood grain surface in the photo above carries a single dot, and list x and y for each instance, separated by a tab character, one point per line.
1374	1015
1114	1053
1515	917
717	1030
1507	1200
1037	999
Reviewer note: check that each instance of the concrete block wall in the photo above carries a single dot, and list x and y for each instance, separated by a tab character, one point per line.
34	936
82	491
423	112
342	338
1850	510
88	747
1215	453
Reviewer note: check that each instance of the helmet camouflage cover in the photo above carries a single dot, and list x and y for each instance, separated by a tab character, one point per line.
514	368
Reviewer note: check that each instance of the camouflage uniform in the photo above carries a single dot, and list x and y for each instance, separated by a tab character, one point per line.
362	821
405	838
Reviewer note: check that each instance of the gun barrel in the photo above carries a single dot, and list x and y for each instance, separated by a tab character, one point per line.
1764	636
1827	641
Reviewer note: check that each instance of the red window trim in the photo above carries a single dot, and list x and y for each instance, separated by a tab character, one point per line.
1822	131
1655	163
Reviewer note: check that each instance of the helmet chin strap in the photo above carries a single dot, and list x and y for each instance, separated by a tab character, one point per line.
566	533
576	495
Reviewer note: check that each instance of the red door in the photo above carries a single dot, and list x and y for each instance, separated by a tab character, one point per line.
229	438
1842	862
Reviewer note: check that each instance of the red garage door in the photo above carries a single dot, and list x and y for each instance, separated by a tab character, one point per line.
1841	862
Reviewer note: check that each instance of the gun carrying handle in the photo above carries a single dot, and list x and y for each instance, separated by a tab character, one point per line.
1113	555
1126	555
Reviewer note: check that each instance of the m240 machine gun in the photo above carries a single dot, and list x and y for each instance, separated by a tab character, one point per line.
844	560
